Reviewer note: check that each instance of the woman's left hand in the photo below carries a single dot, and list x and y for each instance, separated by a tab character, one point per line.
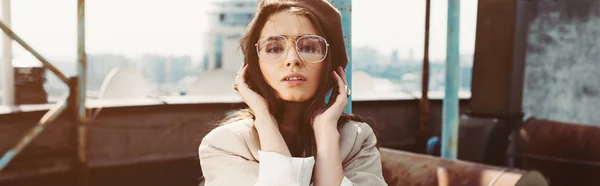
327	118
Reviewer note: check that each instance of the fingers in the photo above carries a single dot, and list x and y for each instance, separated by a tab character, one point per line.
240	80
339	81
342	74
242	74
242	67
341	89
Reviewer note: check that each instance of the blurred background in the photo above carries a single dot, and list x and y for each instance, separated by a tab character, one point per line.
160	76
179	46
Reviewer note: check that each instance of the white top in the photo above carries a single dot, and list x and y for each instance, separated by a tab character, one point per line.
277	169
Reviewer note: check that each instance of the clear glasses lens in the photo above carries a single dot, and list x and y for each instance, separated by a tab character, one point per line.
272	48
310	48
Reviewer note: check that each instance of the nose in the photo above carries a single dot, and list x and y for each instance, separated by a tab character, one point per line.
292	58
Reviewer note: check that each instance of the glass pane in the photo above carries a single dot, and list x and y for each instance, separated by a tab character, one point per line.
168	48
388	55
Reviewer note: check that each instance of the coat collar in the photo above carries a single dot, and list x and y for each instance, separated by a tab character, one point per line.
349	143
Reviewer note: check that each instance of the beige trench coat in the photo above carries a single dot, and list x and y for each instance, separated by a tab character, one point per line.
229	155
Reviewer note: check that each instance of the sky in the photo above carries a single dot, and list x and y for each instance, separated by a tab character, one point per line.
176	27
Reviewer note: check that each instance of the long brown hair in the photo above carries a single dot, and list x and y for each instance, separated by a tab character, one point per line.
257	82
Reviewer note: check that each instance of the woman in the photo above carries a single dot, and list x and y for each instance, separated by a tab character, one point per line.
294	56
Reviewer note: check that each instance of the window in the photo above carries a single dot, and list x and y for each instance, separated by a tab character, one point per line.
171	55
163	54
388	55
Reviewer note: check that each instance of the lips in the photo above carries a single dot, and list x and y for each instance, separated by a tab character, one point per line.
293	80
293	77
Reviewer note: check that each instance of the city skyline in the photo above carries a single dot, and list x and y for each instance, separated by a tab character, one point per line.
113	43
169	74
114	29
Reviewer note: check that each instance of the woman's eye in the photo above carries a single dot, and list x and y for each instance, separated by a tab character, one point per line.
308	48
275	49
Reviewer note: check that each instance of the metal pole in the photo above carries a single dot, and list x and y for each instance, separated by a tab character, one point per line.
50	116
82	166
450	109
8	77
45	62
345	8
424	129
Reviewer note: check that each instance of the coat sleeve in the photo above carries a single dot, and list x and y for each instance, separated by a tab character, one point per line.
223	164
220	161
364	167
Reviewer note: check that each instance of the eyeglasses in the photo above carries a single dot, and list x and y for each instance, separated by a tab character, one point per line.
310	48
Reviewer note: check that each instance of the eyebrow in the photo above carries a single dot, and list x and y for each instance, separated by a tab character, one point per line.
288	36
260	39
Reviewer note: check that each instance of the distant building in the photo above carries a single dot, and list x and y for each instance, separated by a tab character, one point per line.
365	56
178	68
154	68
466	76
223	58
164	73
227	24
100	65
395	59
412	59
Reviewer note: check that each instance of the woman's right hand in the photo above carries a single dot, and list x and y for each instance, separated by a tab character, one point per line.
270	138
255	101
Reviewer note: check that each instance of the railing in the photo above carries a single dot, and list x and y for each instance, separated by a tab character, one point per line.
75	99
450	112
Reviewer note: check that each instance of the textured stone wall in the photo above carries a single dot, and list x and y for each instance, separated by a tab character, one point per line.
562	78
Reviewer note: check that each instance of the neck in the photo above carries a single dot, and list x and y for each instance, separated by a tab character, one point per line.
292	118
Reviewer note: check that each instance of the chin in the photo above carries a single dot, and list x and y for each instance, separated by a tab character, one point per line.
293	98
